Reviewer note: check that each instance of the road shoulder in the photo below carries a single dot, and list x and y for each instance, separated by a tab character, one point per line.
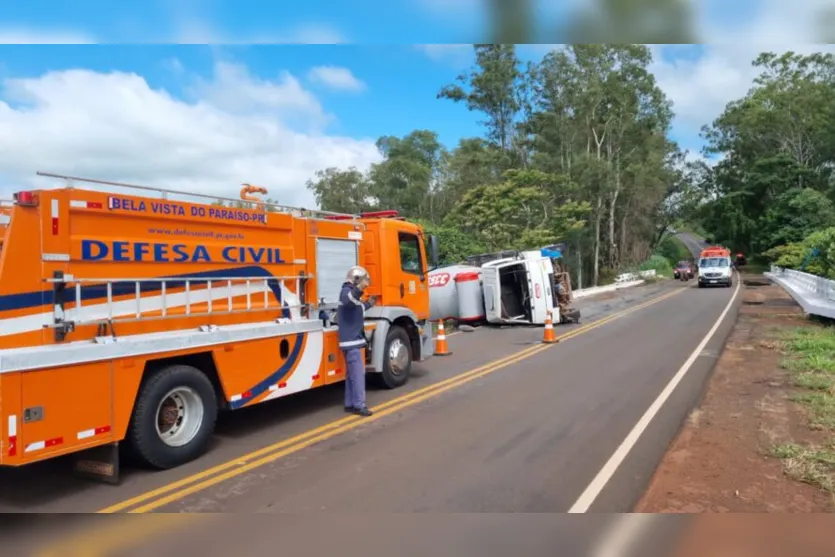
726	458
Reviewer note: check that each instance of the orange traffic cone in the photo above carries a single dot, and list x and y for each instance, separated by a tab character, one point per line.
441	348
549	337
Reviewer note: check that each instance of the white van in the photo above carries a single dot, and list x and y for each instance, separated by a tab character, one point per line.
715	271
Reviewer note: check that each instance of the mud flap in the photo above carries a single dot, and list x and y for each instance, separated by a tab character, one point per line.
99	464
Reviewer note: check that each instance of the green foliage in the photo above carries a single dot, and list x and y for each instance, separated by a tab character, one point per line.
793	255
660	264
774	184
796	213
674	250
529	209
454	244
342	191
790	256
405	178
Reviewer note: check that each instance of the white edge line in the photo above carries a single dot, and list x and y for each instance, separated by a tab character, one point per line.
602	478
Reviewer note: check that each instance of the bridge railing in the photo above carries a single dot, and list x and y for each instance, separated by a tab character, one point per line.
816	295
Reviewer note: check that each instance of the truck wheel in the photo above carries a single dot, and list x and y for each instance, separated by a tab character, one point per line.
174	417
397	359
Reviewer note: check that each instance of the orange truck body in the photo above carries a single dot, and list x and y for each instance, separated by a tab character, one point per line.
100	291
715	251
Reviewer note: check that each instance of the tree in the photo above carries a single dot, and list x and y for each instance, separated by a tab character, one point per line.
493	87
475	162
796	213
342	191
600	118
777	145
529	209
408	177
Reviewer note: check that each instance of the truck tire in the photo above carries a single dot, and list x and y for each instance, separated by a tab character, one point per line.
174	417
397	358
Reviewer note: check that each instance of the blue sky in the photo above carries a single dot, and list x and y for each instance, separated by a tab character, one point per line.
367	21
402	81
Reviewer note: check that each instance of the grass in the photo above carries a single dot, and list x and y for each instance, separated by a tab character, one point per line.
810	361
658	263
813	466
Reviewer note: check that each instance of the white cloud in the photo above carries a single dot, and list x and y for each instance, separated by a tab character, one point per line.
335	78
196	31
233	90
115	126
456	54
701	87
21	35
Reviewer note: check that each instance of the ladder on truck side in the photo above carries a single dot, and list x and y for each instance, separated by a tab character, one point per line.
257	291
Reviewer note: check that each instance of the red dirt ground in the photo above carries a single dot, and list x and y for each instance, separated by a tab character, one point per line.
719	462
757	535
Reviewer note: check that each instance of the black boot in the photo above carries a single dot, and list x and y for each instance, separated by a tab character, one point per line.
364	412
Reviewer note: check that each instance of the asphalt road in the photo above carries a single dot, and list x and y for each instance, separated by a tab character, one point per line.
504	425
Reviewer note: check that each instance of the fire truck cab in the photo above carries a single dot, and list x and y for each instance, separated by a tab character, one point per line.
138	317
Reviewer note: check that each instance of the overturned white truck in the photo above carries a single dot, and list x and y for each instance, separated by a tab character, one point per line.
502	288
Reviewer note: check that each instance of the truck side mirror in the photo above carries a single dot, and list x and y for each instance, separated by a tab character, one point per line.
434	252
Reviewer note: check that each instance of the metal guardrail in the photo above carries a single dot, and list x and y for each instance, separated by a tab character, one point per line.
816	295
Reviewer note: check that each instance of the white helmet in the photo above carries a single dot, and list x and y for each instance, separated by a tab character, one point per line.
358	275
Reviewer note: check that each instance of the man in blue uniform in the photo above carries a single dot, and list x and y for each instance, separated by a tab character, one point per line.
350	317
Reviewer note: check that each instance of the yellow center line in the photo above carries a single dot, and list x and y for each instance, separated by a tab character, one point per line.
255	459
236	462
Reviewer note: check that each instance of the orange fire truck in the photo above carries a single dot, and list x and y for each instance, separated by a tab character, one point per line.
138	317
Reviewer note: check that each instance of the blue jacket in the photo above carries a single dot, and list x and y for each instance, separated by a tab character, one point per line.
350	317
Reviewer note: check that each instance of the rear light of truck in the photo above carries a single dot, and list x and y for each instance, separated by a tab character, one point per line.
26	198
389	214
